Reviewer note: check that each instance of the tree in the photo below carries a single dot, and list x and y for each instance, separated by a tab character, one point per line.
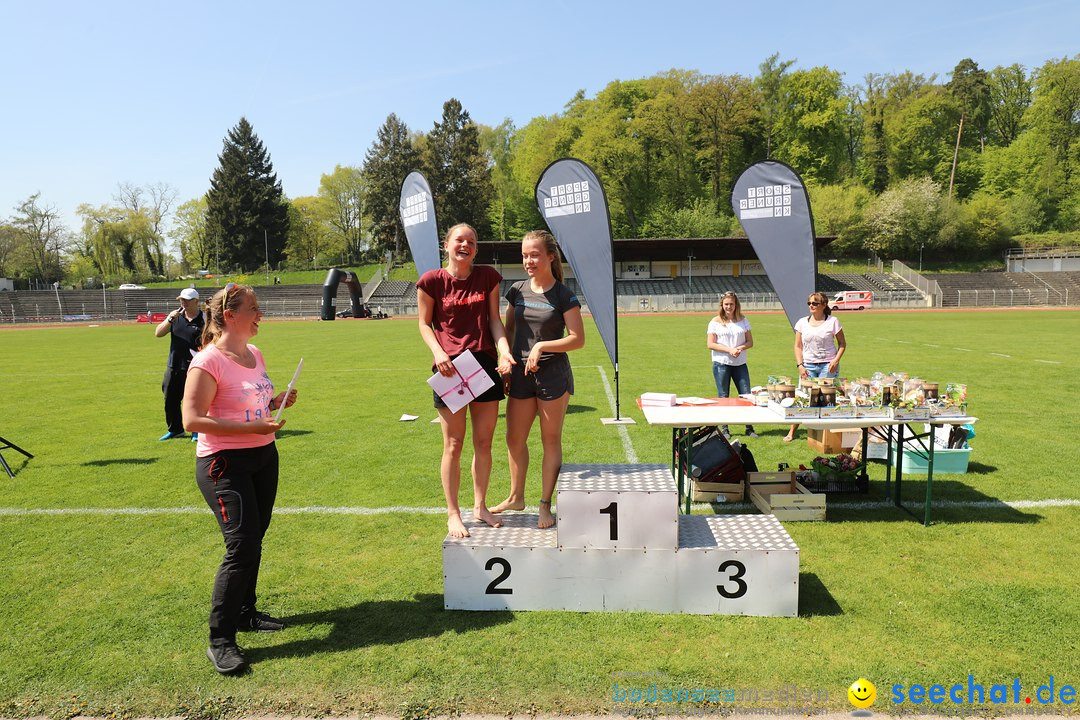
247	214
971	92
769	81
9	241
1055	112
147	208
389	159
309	235
1010	97
342	207
458	170
724	114
41	238
190	232
874	159
811	126
905	216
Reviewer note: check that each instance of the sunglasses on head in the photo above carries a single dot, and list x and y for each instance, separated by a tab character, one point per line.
229	287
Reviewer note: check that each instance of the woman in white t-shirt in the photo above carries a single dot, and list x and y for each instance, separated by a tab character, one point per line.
729	338
819	344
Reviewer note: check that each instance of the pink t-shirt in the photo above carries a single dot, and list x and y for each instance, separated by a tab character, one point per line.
243	394
817	342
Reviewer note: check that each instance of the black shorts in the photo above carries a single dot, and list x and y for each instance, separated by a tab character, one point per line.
490	366
551	381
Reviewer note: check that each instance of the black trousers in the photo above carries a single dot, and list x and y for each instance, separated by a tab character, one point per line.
240	487
172	385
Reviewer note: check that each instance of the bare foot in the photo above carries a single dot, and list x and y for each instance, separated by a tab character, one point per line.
456	527
546	518
485	515
509	504
788	438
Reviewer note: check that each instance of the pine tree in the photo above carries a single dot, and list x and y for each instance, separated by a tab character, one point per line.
247	213
458	170
389	159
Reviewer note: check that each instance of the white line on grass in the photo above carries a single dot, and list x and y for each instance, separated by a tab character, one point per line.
963	349
405	510
930	345
631	456
1001	355
1049	362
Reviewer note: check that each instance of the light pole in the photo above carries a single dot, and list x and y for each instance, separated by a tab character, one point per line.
920	256
690	258
266	247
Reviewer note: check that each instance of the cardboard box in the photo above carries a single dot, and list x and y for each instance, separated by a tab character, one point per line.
837	411
779	495
831	442
873	411
712	492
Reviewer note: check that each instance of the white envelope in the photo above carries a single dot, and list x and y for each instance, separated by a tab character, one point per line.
461	388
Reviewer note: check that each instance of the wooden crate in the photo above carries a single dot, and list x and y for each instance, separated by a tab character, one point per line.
710	491
779	495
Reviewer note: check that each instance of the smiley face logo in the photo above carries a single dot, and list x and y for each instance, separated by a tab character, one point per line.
862	693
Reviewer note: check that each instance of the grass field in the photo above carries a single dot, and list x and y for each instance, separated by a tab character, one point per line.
110	553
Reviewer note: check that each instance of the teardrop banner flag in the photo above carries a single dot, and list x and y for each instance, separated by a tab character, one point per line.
572	202
773	207
417	210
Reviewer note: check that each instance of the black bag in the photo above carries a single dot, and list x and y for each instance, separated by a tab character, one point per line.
747	457
712	458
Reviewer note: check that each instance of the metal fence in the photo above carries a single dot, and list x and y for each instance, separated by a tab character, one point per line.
1012	297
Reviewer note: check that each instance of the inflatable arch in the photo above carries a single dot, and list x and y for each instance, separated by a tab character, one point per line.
329	294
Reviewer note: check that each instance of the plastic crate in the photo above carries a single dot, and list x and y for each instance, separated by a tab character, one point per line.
945	461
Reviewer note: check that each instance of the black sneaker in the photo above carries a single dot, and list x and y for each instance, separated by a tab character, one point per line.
750	431
226	657
260	622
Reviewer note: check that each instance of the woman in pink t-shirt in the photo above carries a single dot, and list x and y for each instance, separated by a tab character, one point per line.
459	311
229	401
819	344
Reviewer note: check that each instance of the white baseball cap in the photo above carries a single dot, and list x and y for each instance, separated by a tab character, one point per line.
188	294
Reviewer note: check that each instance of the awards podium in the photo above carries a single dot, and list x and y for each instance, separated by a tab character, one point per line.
619	543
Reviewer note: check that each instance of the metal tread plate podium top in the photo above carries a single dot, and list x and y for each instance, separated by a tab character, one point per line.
733	532
518	530
616	478
699	532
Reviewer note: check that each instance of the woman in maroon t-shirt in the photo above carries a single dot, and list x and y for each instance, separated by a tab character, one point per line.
459	311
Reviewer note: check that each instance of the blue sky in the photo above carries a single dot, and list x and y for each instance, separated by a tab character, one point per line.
95	94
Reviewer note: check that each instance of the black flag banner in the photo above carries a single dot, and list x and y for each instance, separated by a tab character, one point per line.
773	207
417	210
572	202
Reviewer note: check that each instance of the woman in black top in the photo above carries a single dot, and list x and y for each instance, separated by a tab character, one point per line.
544	320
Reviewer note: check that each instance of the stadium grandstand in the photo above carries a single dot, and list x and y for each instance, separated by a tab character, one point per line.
655	275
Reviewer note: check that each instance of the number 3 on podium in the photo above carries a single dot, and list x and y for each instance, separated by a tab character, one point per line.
734	586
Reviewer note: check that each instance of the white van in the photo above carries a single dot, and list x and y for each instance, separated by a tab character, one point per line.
853	300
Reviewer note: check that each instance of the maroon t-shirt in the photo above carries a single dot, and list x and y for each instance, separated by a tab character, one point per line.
460	318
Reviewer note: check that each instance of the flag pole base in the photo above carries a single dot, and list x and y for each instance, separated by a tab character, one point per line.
618	421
